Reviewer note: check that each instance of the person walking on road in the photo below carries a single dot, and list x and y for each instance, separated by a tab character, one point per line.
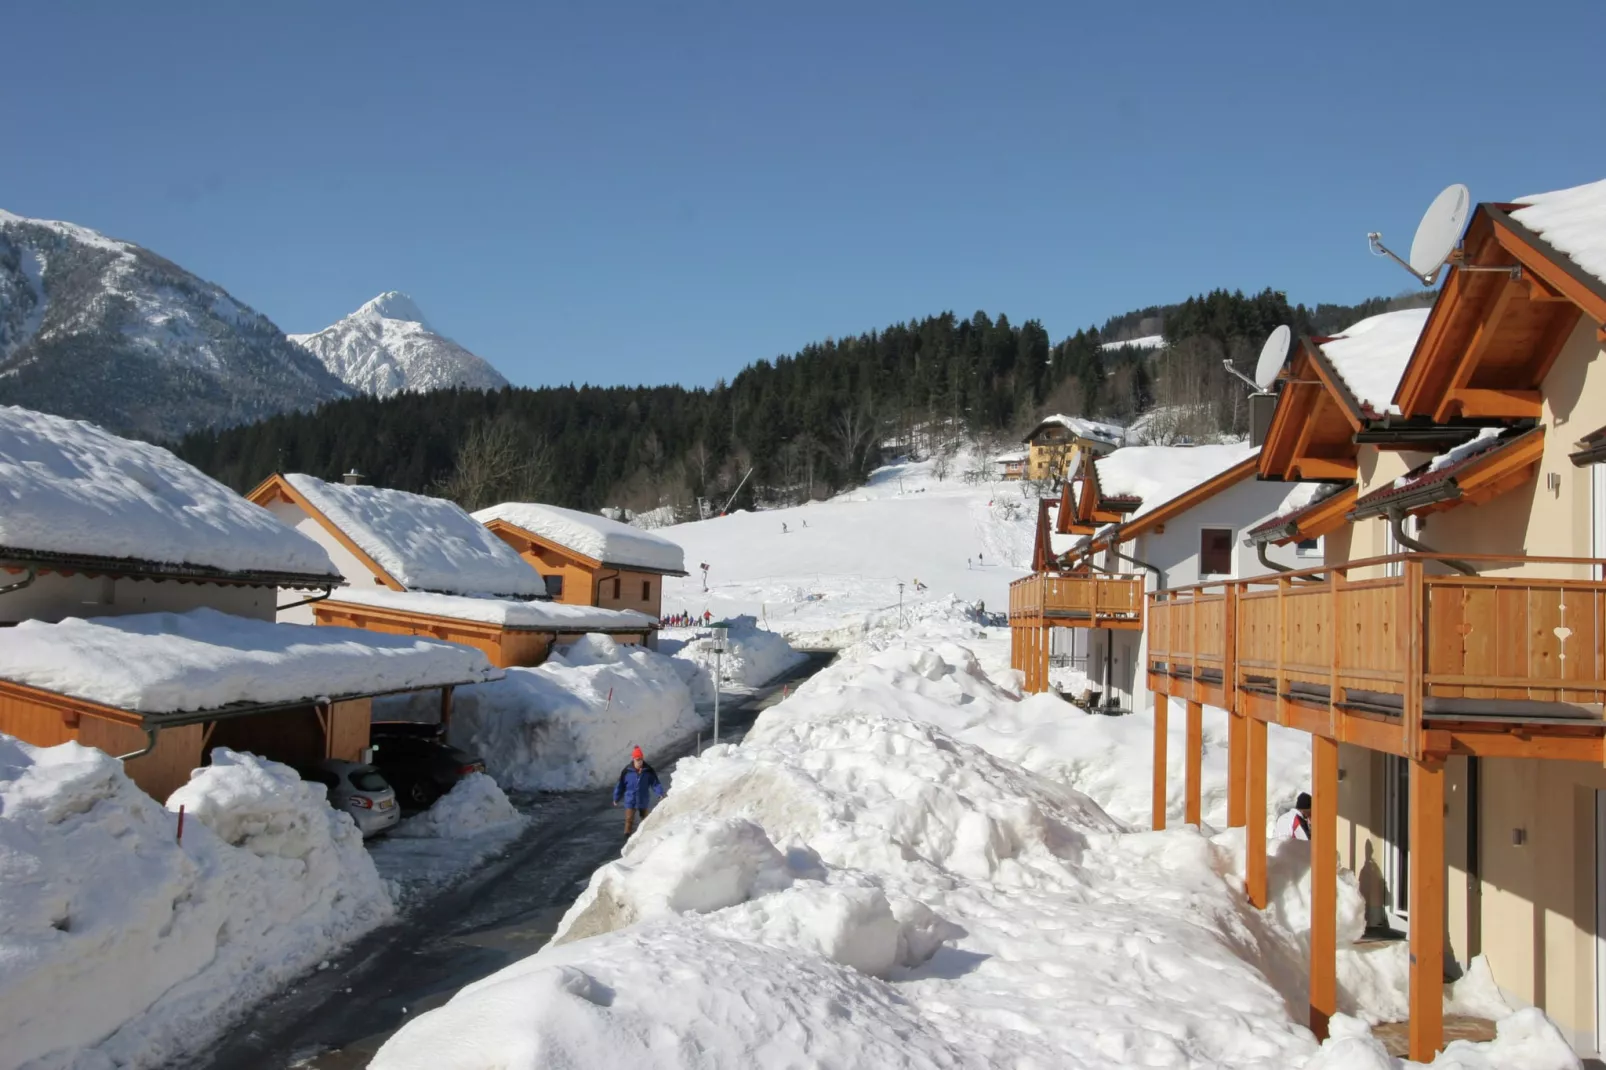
637	782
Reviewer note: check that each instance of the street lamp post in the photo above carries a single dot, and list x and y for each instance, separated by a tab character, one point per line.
900	605
720	633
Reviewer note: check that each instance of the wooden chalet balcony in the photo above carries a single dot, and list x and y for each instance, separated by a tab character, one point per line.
1088	601
1415	663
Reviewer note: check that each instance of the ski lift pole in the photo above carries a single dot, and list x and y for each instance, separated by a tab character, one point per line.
735	492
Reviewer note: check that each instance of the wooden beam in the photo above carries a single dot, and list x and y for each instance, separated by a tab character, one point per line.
1489	317
1492	404
1194	757
1237	767
1255	817
1311	468
1159	761
1323	884
1426	865
446	706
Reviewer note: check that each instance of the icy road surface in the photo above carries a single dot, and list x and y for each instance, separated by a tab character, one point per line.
338	1017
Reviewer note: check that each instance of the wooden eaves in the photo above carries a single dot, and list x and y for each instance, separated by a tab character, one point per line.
503	528
277	488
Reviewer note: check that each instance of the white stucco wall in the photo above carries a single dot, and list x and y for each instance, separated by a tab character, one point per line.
52	597
352	569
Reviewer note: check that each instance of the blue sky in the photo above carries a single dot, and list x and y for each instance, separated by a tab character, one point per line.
663	193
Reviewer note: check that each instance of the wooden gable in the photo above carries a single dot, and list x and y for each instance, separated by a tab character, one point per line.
524	542
276	488
1493	335
1312	432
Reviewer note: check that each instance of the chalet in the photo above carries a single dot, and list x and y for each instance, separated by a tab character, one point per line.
1448	654
1148	517
1056	446
588	560
416	565
1012	465
138	597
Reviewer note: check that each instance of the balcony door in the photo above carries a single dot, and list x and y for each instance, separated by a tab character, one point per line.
1597	534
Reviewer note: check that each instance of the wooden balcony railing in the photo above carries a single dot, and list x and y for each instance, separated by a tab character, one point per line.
1410	646
1078	601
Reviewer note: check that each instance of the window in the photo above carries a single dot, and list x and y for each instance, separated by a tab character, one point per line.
616	588
1215	551
1308	548
646	590
554	586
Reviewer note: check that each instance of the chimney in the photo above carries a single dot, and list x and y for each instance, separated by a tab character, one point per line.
352	478
1261	408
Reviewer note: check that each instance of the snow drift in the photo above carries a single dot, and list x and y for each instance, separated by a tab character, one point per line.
121	947
753	657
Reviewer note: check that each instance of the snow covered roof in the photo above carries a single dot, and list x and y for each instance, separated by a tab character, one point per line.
1013	457
504	612
69	488
1572	221
1157	474
424	543
206	660
1082	427
1300	500
1441	477
606	541
1370	356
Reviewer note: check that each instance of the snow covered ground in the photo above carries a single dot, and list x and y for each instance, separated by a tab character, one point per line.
834	574
752	658
893	891
121	946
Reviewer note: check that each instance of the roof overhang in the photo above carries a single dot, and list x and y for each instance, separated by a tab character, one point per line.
1472	480
505	528
277	488
22	560
482	628
1313	428
1310	521
1193	496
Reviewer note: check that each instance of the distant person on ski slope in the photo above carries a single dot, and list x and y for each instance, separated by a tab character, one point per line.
783	527
637	782
1295	824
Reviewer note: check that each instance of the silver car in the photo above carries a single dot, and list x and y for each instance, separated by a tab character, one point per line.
359	790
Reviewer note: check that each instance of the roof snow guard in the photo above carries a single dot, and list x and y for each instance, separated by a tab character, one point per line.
1488	466
1323	512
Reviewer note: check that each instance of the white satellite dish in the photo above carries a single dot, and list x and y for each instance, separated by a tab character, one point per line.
1440	229
1272	356
1436	236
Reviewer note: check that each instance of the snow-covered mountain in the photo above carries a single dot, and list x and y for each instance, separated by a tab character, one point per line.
105	330
387	346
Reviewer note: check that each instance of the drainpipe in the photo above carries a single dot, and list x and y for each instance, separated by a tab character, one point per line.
327	591
1159	577
27	580
1397	525
150	745
1267	563
596	584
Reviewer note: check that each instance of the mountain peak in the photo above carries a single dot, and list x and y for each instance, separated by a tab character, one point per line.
394	305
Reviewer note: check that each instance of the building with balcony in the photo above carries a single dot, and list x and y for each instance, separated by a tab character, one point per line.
1058	445
1448	653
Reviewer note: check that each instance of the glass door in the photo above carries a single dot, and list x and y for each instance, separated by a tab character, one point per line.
1397	834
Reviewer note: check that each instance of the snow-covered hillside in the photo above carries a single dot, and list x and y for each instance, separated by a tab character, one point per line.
835	569
387	346
104	330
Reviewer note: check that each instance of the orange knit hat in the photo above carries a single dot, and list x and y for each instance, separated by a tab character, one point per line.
637	753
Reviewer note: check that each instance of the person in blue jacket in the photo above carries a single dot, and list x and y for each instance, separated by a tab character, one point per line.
637	782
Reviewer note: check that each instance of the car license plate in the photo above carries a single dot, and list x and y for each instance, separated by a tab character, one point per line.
386	804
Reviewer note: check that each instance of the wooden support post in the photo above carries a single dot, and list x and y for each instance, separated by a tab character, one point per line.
1042	658
1323	884
1237	767
1160	700
446	707
1426	865
1194	758
1255	816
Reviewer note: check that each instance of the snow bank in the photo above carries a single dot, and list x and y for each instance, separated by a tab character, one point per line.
475	806
555	727
1573	221
607	541
203	659
67	486
895	881
1526	1040
1370	356
509	613
425	543
753	657
121	947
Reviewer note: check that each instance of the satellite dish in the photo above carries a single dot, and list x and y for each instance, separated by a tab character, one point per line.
1272	356
1440	229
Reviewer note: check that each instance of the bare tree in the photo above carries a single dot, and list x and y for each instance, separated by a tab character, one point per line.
854	429
498	461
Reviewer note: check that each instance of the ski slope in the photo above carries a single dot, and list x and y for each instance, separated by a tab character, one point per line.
833	573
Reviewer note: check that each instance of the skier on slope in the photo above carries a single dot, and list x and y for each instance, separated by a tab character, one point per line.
637	782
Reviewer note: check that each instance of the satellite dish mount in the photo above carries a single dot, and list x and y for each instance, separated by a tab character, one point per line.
1272	356
1438	239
